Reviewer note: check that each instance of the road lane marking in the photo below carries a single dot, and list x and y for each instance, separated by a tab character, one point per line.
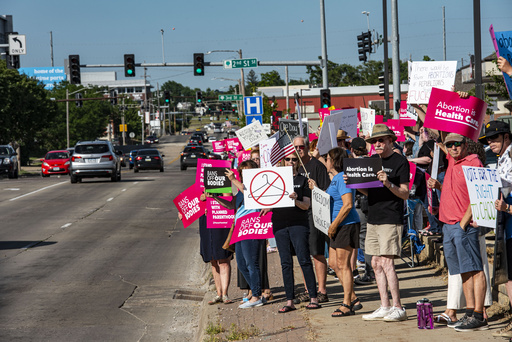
12	189
66	225
33	192
123	190
172	161
110	199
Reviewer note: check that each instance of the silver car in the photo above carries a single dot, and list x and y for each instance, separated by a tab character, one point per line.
95	159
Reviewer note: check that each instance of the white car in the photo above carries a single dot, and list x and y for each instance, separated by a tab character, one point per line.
212	138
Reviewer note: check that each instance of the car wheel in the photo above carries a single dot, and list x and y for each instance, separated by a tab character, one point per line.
162	169
43	175
16	174
113	178
73	179
183	167
131	167
135	170
119	176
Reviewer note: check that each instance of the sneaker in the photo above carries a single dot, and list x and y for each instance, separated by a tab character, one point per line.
457	323
364	280
396	315
303	297
377	315
331	272
473	324
322	297
271	249
505	332
249	305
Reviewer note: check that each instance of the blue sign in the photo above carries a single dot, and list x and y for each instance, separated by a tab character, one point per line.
47	75
249	119
253	105
504	40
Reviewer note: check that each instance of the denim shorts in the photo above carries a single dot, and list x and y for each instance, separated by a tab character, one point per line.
462	248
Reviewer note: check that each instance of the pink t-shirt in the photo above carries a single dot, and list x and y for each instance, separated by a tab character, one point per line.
454	196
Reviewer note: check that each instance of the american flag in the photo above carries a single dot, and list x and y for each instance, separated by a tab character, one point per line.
282	148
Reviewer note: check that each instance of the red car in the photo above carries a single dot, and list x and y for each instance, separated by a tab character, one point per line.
55	163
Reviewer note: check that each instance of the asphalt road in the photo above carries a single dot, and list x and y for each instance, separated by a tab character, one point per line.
98	260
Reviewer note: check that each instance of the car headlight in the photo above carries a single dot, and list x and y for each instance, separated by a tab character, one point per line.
67	163
46	164
7	161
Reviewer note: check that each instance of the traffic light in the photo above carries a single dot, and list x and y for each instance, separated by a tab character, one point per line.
199	97
113	97
325	98
381	85
74	69
224	106
78	100
129	65
167	97
364	44
198	64
13	61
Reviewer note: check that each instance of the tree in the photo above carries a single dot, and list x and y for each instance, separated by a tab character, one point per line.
252	82
271	78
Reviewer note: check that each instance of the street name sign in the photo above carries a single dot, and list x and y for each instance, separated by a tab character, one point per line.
241	63
231	97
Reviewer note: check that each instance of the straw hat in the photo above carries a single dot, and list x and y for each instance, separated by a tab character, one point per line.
381	130
342	135
453	137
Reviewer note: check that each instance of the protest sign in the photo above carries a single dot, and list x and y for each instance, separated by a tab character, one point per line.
251	135
504	44
323	112
233	145
429	193
362	172
267	128
312	136
215	180
243	156
201	164
219	216
265	151
412	174
348	120
253	226
276	115
397	128
426	75
483	187
321	209
448	112
292	127
328	133
268	188
189	205
219	146
408	115
367	120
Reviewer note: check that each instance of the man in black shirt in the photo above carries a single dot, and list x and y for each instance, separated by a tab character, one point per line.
316	171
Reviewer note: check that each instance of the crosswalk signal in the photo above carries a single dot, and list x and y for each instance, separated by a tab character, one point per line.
129	65
199	97
325	98
74	69
167	97
78	100
381	85
113	97
198	64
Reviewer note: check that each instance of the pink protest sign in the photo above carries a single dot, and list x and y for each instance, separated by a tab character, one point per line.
398	129
219	146
412	174
219	216
378	119
243	156
189	205
253	226
408	116
201	164
448	112
312	136
233	144
323	112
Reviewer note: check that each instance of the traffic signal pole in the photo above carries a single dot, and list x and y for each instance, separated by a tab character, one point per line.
386	69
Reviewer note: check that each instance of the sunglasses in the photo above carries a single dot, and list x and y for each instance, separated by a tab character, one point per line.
381	140
455	143
300	147
291	159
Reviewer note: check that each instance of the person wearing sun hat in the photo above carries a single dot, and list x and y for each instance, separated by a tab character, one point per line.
385	222
341	138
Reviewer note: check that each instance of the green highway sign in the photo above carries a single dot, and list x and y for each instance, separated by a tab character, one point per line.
241	63
231	97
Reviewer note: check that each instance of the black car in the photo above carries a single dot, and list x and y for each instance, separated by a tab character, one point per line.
149	159
8	161
191	154
196	139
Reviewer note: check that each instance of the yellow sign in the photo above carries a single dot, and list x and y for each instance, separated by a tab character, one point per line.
123	128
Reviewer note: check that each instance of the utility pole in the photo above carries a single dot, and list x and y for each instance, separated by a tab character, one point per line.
242	78
145	106
386	69
478	50
395	59
287	90
51	47
444	37
67	117
325	80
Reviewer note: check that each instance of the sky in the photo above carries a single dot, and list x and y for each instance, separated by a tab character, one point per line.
101	32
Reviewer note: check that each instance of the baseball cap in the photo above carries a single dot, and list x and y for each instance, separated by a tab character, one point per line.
494	128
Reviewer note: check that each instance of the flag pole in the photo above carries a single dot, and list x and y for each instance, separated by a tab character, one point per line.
297	153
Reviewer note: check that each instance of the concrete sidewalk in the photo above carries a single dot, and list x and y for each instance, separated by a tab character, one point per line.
318	325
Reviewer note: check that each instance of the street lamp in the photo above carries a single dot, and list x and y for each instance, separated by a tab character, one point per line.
242	83
367	18
163	53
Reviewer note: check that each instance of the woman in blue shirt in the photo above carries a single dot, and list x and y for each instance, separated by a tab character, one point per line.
343	231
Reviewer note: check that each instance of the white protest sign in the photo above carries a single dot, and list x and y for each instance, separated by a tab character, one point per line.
483	187
267	127
324	140
435	162
321	208
425	75
367	121
348	121
265	151
251	134
268	188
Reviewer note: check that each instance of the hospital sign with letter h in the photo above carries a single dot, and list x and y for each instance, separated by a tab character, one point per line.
253	105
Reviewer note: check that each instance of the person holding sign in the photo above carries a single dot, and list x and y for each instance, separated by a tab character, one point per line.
385	222
343	231
504	66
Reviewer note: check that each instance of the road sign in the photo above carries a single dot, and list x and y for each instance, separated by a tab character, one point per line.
253	105
132	135
241	63
249	119
17	44
231	97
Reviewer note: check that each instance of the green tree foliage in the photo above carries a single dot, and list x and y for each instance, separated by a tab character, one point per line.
252	83
271	78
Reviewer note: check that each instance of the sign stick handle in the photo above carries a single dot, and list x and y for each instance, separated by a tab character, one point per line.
297	153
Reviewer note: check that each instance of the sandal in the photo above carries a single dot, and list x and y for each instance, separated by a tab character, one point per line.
226	300
354	306
339	313
286	309
442	319
313	306
215	300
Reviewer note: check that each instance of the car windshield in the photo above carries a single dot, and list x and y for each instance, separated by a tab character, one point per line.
91	149
4	151
193	149
148	152
57	155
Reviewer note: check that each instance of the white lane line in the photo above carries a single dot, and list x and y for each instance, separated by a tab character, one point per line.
110	199
123	190
33	192
32	244
135	183
12	189
66	225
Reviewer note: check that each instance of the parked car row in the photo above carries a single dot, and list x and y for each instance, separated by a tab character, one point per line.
8	161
